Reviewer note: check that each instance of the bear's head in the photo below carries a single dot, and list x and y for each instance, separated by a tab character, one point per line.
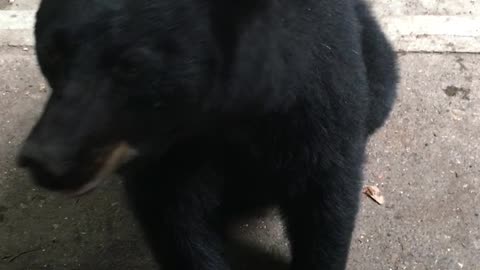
127	78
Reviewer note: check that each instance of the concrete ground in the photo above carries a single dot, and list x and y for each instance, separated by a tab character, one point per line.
19	4
426	161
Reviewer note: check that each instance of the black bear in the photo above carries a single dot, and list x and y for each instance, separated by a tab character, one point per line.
212	108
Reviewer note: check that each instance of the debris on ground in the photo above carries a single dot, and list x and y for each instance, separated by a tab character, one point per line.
375	194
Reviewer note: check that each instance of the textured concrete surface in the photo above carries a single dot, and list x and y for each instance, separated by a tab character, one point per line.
19	4
426	160
385	8
16	18
423	26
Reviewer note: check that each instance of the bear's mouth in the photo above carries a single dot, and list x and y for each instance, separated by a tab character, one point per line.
86	173
106	165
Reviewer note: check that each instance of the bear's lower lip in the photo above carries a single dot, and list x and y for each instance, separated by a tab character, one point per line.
116	157
84	189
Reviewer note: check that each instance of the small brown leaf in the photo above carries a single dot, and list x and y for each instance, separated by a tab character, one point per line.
374	193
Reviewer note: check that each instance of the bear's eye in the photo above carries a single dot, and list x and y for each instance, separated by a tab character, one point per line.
52	56
126	69
55	50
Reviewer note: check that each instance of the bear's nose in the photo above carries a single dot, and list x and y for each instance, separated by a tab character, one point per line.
43	159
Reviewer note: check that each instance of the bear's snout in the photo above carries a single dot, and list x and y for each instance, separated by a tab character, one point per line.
46	163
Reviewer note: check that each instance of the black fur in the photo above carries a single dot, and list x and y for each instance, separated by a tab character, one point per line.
232	106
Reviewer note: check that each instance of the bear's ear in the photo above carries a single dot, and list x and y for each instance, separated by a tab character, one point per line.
229	17
237	11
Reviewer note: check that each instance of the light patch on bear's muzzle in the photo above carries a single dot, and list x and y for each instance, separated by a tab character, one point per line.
118	156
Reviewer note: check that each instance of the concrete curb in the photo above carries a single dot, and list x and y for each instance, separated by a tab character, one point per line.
16	27
434	33
407	33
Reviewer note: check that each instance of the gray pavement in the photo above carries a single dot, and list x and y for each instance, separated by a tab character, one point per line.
384	8
425	161
19	4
